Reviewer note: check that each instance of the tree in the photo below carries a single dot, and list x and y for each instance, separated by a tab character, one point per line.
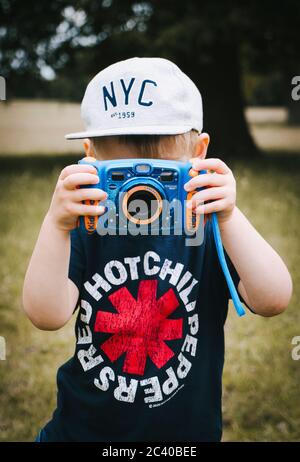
213	42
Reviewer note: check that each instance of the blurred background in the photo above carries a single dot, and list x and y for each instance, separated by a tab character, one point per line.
244	58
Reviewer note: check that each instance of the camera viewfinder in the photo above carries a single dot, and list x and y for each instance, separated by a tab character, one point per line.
166	176
117	176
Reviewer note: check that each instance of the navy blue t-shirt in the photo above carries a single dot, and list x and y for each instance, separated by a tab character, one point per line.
150	343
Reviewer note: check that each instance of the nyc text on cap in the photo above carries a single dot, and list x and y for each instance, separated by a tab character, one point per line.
140	96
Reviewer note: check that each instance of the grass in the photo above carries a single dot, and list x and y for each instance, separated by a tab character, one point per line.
261	394
261	381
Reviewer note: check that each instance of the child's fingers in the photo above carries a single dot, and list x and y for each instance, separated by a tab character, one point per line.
205	179
83	210
206	195
217	165
76	168
76	179
84	194
211	207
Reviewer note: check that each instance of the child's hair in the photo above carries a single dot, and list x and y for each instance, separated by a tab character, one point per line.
150	146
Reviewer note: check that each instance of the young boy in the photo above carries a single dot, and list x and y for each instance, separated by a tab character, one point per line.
150	343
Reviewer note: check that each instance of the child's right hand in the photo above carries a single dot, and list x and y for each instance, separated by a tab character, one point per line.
66	205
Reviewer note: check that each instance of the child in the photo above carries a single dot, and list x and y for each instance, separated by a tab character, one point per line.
150	343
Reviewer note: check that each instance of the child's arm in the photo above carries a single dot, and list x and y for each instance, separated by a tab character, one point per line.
265	283
49	296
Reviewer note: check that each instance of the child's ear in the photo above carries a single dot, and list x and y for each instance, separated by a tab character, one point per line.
88	148
202	146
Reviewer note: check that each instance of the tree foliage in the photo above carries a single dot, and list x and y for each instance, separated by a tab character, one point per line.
213	41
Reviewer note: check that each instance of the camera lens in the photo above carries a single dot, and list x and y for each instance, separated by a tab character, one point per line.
146	210
142	204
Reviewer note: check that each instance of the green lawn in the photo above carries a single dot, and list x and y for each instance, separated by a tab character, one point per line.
261	381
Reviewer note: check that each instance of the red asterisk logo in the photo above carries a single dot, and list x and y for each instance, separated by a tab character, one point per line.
140	327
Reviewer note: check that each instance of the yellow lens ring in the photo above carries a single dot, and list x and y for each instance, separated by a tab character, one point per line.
132	191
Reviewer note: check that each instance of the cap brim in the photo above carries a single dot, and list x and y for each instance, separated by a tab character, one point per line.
148	130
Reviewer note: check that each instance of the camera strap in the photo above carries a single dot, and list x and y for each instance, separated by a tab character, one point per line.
220	251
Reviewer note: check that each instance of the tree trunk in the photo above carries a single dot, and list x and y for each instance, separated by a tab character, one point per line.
219	82
293	112
292	105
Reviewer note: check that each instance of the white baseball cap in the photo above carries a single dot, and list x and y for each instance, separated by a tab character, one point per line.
150	96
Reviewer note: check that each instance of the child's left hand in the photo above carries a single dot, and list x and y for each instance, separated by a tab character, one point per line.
220	188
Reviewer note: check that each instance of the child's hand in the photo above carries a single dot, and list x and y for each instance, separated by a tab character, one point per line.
66	205
220	188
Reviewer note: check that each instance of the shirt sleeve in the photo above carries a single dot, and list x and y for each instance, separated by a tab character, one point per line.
77	259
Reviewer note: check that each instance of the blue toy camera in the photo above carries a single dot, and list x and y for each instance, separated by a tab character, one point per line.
145	193
141	192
